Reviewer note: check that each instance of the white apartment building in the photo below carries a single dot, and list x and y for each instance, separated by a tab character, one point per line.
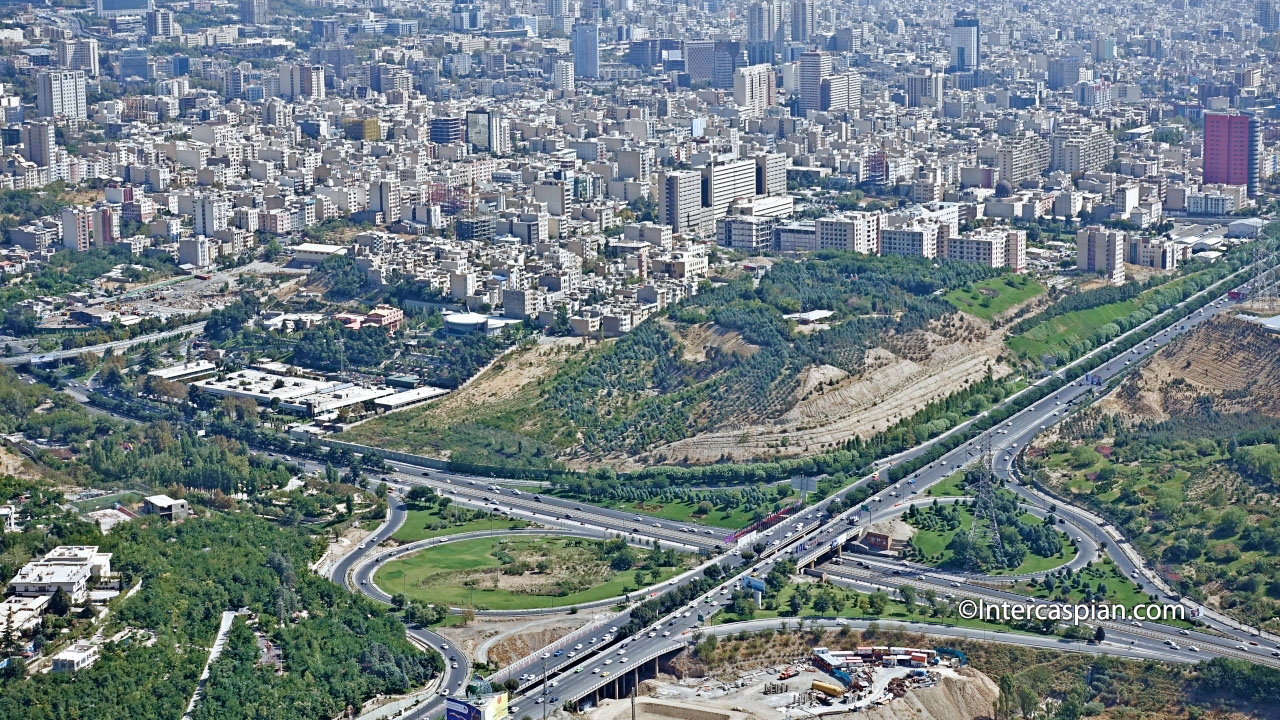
919	239
1101	251
855	231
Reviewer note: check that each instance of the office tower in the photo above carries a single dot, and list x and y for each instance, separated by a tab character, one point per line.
763	19
966	43
802	20
114	8
722	183
1099	250
771	173
924	89
488	131
727	57
586	50
1104	49
254	12
644	53
160	24
210	213
699	60
1232	150
841	92
753	89
1267	16
814	66
562	76
78	54
855	232
681	205
77	228
1064	72
61	92
135	64
39	143
445	130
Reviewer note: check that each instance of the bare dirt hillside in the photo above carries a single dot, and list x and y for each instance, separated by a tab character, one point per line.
830	406
1228	363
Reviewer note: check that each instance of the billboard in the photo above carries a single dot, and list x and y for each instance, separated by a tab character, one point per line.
495	707
752	583
455	709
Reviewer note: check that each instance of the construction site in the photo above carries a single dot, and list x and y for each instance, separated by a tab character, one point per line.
882	690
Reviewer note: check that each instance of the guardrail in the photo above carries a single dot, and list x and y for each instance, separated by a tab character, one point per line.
600	681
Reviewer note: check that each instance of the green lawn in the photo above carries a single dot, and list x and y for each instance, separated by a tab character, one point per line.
949	487
1057	334
933	543
108	501
1120	589
422	524
683	512
469	573
990	297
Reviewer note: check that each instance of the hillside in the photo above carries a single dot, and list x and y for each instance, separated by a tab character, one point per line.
726	373
1227	365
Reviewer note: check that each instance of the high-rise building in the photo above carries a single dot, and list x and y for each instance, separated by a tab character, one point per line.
966	43
1021	157
586	50
1064	72
254	12
841	92
303	80
106	225
384	197
446	130
700	60
1233	150
562	76
855	231
135	64
115	8
924	89
39	144
1266	15
61	92
1080	148
771	173
1099	250
195	251
727	57
160	24
488	131
916	239
763	19
78	54
753	89
814	66
681	202
722	183
990	247
77	228
210	214
802	20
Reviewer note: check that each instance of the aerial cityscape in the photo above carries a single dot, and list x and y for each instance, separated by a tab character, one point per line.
609	359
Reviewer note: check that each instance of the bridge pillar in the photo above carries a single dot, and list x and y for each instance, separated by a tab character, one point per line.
655	668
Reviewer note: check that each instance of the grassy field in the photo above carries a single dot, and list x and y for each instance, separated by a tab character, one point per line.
108	501
422	524
933	543
482	573
1120	590
950	487
685	512
1057	334
993	296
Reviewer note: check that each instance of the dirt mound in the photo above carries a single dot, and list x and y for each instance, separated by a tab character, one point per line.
699	340
829	406
1228	364
965	695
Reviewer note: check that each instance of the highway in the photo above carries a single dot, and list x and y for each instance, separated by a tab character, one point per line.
40	358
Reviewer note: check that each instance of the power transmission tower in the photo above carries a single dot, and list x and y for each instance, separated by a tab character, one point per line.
985	530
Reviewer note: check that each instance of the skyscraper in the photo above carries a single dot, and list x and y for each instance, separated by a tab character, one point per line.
1266	16
802	20
1232	150
924	89
753	89
61	92
966	43
586	50
681	205
78	54
254	12
814	66
762	29
135	63
726	58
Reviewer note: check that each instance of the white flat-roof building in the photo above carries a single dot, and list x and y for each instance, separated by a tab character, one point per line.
77	657
23	612
67	567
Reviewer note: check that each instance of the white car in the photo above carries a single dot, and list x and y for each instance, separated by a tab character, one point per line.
622	660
